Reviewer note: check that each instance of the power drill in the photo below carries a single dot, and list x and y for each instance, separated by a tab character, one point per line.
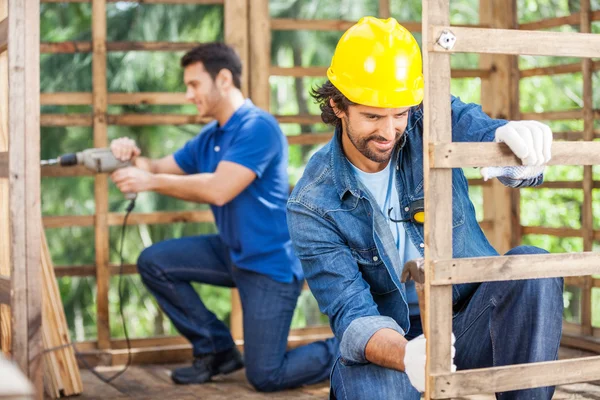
97	160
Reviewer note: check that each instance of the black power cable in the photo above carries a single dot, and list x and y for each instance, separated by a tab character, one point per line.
80	356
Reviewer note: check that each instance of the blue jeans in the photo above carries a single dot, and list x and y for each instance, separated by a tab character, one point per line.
168	268
503	323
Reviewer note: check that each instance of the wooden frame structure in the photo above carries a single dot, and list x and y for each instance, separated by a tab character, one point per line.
20	222
440	155
248	27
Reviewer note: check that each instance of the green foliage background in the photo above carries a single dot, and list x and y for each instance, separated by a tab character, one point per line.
160	71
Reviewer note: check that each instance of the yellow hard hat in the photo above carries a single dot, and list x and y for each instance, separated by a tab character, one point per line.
378	63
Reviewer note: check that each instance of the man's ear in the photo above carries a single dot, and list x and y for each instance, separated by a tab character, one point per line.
338	113
224	79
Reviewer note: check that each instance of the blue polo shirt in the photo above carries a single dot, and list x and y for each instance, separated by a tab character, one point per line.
253	225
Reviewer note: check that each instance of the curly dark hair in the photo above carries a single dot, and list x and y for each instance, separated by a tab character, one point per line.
322	94
215	57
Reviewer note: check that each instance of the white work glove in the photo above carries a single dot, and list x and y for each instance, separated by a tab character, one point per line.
531	141
415	356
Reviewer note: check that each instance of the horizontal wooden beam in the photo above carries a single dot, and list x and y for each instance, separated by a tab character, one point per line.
90	270
556	69
573	136
573	19
557	115
3	164
85	98
290	24
588	343
306	119
196	2
309	138
558	232
523	376
5	288
511	41
501	268
86	47
58	171
116	219
300	72
3	35
459	155
123	119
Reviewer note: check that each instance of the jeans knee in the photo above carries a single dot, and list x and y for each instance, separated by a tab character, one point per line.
263	380
524	249
146	263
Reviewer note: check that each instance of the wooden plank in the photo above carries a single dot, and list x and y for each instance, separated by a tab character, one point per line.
197	2
488	269
509	41
90	270
459	155
236	319
86	47
384	9
3	164
584	343
502	379
306	119
299	72
4	289
499	99
587	214
156	119
56	171
260	53
85	98
290	24
5	269
556	69
116	219
552	115
559	232
236	35
572	19
3	34
66	120
309	138
438	197
101	232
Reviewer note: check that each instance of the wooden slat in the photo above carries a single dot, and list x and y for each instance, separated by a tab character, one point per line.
553	115
5	268
56	171
123	119
487	269
556	69
197	2
299	119
3	164
300	72
384	9
459	155
309	138
558	232
509	41
3	35
66	120
502	379
25	212
116	219
438	196
584	343
573	136
572	19
260	53
101	231
85	98
90	270
236	35
86	47
4	290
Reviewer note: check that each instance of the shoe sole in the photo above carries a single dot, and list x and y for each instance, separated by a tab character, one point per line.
224	369
230	367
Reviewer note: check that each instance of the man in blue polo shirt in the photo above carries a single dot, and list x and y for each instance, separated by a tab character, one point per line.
238	165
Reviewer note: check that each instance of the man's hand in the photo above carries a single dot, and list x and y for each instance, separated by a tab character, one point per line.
124	149
415	356
531	141
132	180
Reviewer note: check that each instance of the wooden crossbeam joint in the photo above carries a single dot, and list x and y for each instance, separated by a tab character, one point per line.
5	285
3	35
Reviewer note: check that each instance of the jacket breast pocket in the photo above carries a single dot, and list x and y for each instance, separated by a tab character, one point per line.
374	271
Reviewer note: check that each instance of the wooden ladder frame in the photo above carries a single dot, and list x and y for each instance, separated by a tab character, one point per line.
20	219
440	156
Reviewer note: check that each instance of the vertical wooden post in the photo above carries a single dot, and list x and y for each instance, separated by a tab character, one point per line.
500	99
260	53
24	179
438	193
384	9
236	35
5	329
588	183
99	96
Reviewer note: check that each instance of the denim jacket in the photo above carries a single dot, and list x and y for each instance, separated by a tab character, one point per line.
344	242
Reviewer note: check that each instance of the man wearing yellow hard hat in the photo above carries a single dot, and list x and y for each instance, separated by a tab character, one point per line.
356	216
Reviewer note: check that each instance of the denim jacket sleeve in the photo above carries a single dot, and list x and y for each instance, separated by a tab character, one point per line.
471	124
335	281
